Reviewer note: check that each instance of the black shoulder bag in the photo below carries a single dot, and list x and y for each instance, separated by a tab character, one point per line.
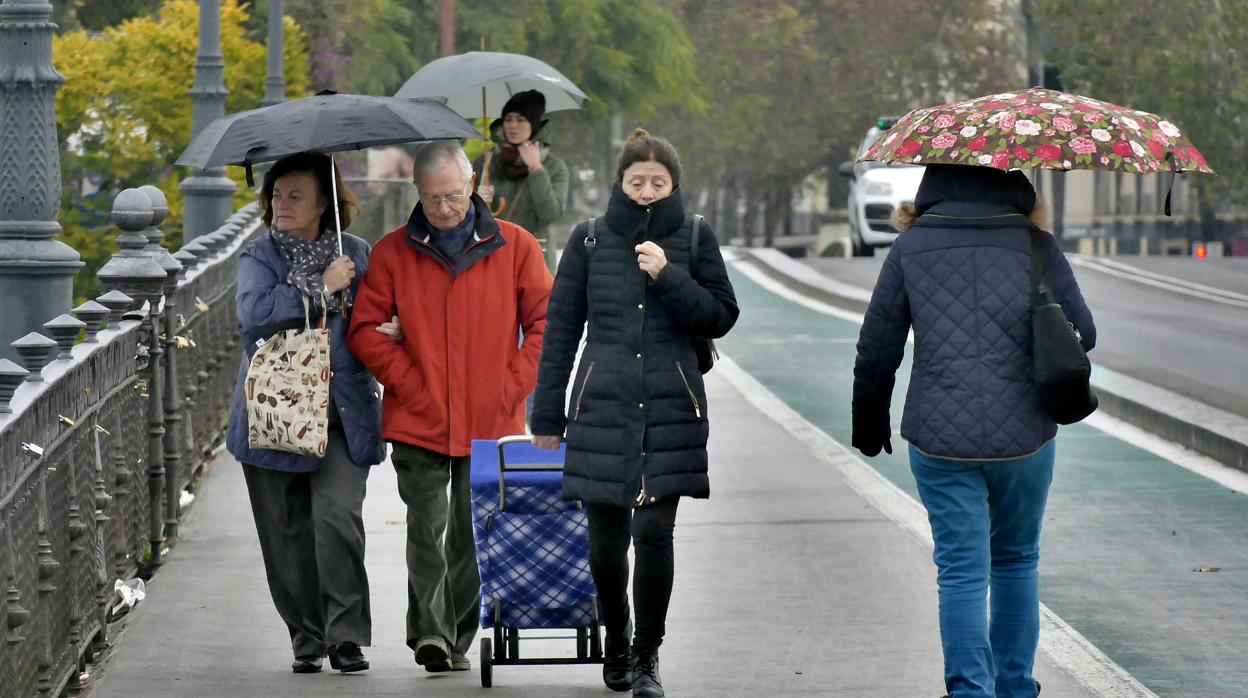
1060	366
704	347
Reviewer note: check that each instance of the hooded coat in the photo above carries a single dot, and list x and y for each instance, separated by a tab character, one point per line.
960	277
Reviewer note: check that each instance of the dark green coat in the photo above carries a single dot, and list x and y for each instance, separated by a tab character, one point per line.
541	202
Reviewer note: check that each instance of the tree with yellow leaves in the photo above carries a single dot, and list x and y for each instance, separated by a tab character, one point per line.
124	113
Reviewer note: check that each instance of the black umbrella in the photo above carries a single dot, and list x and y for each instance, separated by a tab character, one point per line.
326	122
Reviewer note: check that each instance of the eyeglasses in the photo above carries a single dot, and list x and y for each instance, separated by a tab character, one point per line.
452	200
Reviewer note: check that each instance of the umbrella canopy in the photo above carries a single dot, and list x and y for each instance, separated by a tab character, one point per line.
460	80
326	123
1038	128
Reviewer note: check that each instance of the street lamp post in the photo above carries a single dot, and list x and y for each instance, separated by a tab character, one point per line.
275	80
207	194
36	270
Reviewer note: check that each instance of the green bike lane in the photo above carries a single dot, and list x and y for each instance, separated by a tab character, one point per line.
1125	528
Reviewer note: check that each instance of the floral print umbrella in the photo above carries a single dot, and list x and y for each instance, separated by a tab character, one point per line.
1038	128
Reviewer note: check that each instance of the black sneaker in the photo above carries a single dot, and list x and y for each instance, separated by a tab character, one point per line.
347	657
646	680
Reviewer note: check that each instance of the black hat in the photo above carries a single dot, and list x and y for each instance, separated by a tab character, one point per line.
973	183
530	104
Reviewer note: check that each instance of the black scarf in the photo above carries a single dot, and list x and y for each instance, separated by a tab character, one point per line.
638	222
305	263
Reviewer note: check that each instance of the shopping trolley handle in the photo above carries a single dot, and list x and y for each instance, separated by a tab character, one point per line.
506	441
503	443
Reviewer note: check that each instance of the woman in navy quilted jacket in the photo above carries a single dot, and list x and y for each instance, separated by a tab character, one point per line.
981	446
637	421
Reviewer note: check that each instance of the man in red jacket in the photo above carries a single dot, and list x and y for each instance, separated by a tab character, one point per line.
463	286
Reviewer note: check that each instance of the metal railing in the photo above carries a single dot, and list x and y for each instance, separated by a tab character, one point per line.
102	428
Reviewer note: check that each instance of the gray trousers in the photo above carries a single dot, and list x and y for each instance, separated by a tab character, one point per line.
312	540
443	584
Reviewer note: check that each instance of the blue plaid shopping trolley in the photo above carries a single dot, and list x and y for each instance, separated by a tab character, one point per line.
533	553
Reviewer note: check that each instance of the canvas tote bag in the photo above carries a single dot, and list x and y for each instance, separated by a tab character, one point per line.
287	390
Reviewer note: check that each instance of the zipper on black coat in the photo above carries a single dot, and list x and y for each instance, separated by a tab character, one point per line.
641	449
581	395
697	409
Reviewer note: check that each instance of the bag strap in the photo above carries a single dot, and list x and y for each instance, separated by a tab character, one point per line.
591	237
1041	268
693	241
307	311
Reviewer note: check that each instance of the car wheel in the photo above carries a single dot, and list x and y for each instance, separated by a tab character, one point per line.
859	248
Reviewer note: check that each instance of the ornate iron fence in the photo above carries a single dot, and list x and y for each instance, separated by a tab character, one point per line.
102	428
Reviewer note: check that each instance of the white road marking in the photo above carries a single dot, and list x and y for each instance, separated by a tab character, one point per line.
1168	283
1186	458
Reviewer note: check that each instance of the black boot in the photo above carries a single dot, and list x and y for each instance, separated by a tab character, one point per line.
617	662
646	680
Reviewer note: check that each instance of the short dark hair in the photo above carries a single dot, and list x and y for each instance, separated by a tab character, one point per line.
316	164
643	147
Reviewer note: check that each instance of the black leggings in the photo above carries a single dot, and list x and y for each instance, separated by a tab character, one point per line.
650	528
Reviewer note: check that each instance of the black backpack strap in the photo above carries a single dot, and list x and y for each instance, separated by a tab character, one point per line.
693	242
591	237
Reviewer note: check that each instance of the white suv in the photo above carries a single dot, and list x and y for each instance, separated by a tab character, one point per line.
875	191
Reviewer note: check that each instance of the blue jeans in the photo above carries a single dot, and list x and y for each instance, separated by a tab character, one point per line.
986	518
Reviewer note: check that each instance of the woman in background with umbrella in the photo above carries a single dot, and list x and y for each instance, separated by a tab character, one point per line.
528	182
308	509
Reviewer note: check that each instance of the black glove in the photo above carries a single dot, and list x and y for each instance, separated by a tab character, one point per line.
873	449
871	443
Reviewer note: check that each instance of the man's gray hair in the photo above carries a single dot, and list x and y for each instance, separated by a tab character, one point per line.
432	156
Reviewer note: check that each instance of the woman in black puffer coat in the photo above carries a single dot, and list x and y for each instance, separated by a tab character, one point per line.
636	421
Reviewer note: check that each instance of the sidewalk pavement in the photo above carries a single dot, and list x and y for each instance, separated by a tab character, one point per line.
788	583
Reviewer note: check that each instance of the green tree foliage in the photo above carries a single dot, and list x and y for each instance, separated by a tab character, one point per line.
124	115
793	85
630	56
1184	61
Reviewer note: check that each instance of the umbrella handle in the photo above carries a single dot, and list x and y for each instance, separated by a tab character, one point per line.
333	183
485	179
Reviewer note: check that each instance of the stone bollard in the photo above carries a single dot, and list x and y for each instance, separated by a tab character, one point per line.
134	271
65	329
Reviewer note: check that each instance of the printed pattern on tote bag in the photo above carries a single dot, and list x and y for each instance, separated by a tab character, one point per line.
287	391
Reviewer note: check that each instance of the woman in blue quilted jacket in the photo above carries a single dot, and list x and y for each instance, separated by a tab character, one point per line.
981	445
308	508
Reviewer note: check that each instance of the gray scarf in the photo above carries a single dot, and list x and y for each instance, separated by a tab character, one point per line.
306	261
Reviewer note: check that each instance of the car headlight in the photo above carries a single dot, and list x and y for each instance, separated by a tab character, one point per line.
878	189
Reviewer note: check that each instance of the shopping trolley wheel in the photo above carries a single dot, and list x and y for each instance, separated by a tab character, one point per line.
487	663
